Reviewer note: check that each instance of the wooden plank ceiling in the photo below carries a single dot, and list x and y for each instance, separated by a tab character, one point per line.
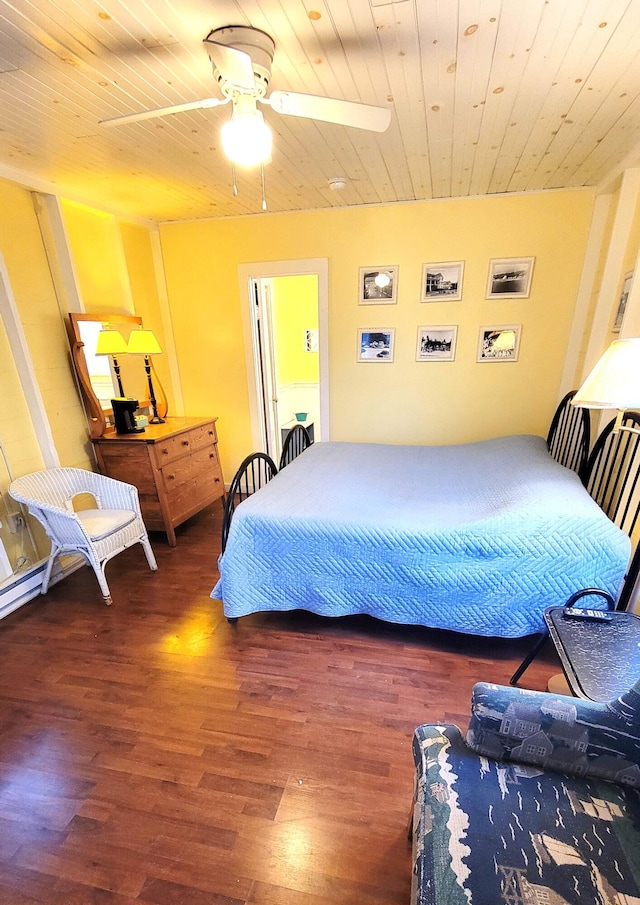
487	96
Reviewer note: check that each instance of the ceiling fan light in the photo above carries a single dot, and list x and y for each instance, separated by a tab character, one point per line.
247	139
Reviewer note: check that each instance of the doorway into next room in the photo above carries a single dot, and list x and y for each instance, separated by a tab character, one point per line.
287	355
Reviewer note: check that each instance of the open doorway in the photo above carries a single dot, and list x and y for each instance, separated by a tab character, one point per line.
285	318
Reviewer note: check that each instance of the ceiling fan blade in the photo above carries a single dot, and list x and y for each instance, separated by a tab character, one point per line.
235	66
164	111
331	110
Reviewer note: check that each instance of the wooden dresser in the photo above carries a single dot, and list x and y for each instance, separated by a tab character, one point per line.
175	467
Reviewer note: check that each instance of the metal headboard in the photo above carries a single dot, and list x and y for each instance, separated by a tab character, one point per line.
254	472
570	435
612	477
297	441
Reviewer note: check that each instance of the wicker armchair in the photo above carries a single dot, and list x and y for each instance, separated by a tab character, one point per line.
99	533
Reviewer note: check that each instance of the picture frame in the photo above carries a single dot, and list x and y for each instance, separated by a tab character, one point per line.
442	281
378	285
311	340
376	344
499	343
436	343
622	302
510	278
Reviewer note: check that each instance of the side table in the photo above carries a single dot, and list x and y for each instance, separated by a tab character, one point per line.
287	428
600	660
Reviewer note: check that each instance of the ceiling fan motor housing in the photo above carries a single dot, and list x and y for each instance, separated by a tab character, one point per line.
259	46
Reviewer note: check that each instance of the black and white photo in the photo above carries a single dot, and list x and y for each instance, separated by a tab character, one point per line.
500	343
510	278
375	344
442	282
622	302
310	340
378	285
436	343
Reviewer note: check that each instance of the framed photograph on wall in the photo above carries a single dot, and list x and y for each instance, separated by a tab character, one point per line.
510	278
442	282
500	343
376	344
310	340
436	343
622	302
378	285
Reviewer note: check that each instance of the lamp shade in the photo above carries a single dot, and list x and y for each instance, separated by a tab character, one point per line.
110	342
614	383
143	342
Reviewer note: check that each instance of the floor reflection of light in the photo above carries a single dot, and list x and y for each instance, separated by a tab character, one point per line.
296	847
33	791
192	638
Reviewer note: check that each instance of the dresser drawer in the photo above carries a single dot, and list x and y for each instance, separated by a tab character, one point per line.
197	478
184	469
131	465
203	436
174	465
172	448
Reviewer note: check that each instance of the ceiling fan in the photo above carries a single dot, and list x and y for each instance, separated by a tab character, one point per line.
241	57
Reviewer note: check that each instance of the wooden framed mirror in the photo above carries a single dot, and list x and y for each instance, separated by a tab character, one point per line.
96	375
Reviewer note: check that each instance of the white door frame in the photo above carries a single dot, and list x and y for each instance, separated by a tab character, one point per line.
266	269
262	321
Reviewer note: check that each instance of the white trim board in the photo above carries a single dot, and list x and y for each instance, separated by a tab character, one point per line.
26	585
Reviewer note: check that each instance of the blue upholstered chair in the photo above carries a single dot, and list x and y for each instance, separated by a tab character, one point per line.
541	803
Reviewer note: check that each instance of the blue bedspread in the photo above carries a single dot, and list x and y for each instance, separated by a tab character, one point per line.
477	538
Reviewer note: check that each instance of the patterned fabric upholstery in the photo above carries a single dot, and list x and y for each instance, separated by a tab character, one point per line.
558	732
486	832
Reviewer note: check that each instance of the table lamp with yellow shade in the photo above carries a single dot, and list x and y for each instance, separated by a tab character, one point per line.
144	342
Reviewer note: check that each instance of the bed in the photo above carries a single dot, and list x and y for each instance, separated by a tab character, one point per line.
476	538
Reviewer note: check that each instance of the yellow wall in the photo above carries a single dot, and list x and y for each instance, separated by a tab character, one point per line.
98	256
136	243
404	401
17	435
114	267
628	266
295	310
32	286
19	454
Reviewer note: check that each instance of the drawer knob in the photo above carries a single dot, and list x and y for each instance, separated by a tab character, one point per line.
211	433
165	451
171	477
185	442
216	480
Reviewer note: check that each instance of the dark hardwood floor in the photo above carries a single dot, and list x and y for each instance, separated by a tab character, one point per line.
151	752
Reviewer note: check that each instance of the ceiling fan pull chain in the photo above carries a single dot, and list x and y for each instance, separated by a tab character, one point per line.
264	197
233	179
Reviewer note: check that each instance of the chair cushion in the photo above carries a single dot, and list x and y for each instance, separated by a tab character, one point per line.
490	832
100	523
557	732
